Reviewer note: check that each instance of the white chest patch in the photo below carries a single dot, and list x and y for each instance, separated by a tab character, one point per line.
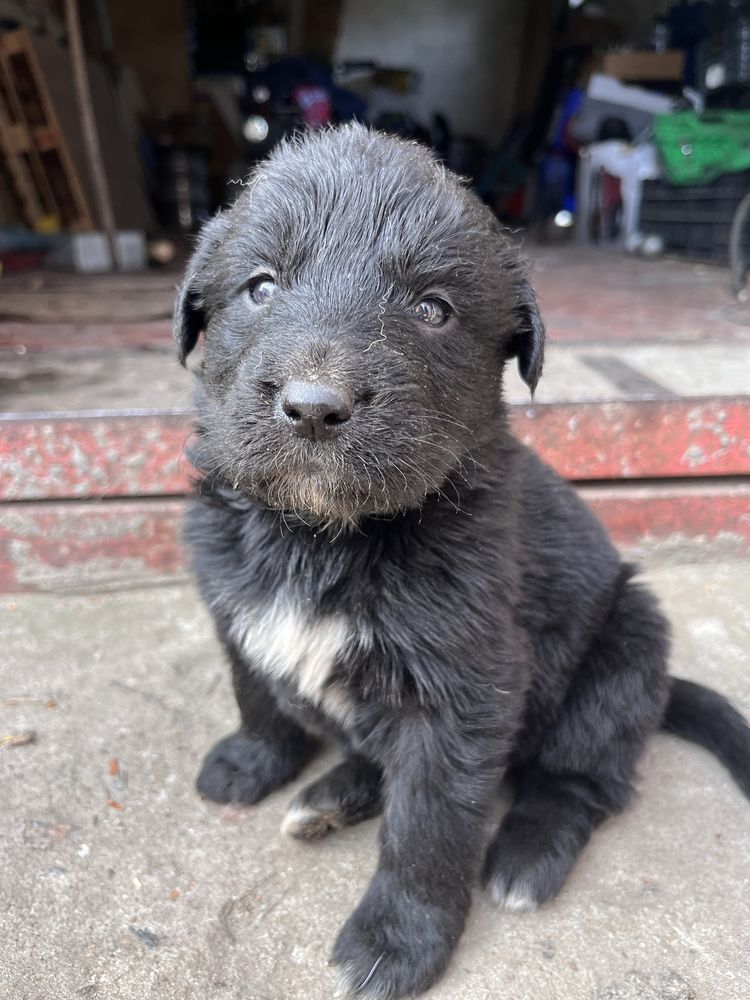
290	646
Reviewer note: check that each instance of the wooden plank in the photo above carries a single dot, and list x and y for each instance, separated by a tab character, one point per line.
50	75
59	135
14	142
32	208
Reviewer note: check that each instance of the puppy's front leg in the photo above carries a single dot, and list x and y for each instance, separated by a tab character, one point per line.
266	752
440	779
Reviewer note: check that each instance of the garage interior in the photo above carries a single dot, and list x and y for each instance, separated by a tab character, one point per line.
614	142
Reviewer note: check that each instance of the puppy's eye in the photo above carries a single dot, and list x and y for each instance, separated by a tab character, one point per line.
261	289
433	312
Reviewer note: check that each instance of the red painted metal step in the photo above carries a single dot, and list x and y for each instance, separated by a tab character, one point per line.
644	405
75	544
50	456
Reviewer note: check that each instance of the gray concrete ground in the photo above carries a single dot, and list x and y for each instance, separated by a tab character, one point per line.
74	380
118	883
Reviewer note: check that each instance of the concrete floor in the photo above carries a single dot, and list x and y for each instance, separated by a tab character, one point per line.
75	380
117	882
619	327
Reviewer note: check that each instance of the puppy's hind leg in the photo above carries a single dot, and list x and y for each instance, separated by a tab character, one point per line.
266	752
343	796
585	765
540	838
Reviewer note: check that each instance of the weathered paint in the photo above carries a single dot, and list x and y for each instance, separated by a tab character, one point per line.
142	453
644	439
100	455
58	546
695	511
53	546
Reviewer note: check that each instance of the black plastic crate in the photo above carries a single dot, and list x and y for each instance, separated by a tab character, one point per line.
694	221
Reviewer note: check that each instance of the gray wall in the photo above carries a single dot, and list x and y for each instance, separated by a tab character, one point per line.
467	53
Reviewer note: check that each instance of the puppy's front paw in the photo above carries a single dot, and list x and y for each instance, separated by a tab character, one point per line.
244	769
394	946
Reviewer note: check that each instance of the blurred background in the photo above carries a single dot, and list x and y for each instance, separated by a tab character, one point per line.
613	139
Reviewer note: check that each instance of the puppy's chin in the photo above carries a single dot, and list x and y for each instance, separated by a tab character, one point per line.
311	494
320	495
327	486
322	499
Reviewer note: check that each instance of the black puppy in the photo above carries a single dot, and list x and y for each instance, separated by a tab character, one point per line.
388	566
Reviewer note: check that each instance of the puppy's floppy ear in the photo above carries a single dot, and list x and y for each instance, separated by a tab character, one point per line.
189	316
527	340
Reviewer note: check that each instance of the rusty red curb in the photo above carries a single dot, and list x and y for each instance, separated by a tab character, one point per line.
46	457
643	439
59	546
94	545
698	512
121	454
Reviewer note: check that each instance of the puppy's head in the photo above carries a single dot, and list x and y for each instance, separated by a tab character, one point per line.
358	304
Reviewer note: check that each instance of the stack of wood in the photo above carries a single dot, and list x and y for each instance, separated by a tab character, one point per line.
41	145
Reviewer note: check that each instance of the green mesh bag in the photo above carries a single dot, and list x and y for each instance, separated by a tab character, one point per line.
696	149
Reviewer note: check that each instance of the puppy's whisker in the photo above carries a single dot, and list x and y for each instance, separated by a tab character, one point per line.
434	487
457	467
436	415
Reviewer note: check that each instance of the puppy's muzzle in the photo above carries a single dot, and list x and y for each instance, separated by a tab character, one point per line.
315	410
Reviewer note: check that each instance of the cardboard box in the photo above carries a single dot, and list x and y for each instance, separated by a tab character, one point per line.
645	65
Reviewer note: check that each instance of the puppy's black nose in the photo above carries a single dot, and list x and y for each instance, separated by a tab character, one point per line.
315	409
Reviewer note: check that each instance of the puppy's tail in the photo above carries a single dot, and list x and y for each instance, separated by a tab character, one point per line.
703	716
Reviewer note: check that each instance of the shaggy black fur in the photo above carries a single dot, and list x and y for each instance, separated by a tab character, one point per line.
413	583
